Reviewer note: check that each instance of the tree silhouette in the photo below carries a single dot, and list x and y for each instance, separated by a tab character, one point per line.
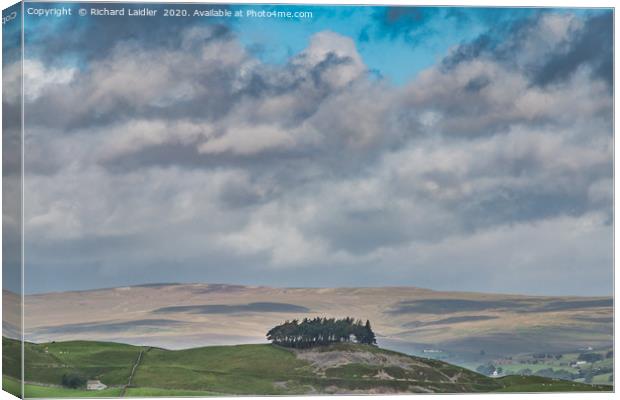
320	332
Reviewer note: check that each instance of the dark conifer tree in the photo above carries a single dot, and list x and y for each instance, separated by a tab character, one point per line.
321	331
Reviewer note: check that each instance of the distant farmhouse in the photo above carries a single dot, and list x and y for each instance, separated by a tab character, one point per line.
575	363
95	385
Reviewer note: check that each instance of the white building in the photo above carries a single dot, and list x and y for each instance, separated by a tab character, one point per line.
95	385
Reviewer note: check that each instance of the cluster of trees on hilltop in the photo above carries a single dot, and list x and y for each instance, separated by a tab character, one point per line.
321	331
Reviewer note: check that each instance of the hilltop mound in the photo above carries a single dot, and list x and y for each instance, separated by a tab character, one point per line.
351	367
261	369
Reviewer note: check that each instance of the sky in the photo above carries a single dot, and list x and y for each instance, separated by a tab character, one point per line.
11	155
447	148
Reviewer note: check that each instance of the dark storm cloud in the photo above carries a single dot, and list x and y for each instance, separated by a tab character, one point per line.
591	46
477	83
500	41
469	51
106	92
109	90
92	38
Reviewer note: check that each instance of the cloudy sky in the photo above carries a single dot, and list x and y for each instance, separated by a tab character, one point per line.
448	148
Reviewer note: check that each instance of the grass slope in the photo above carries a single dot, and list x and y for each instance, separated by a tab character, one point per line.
11	385
260	369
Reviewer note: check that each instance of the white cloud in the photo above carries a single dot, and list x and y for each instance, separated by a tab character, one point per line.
248	140
209	156
347	64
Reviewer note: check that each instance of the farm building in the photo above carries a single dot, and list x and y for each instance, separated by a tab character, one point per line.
95	385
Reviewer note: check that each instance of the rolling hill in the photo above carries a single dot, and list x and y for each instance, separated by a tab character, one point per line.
462	328
253	369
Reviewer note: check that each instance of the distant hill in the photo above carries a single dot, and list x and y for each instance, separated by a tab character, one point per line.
463	328
254	369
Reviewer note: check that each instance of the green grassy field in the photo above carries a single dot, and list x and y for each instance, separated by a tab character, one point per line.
559	365
251	370
220	368
540	384
109	362
12	386
155	392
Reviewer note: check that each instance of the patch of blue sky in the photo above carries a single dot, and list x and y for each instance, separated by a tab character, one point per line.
38	30
395	43
11	30
398	56
275	40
